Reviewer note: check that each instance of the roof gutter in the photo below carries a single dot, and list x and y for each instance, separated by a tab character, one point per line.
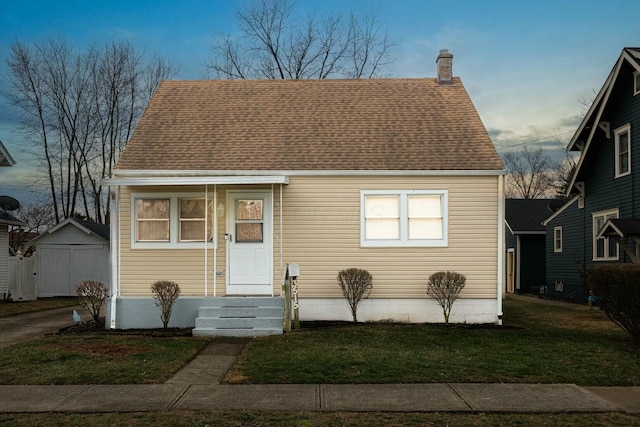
282	174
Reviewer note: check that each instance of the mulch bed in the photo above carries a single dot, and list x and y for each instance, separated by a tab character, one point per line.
94	327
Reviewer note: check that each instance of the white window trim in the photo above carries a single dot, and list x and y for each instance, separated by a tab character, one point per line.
595	215
619	131
174	222
557	231
403	240
636	83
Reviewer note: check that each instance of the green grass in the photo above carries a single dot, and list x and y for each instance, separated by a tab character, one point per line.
540	343
95	358
41	304
315	419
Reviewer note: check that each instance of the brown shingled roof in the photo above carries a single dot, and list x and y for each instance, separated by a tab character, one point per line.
376	124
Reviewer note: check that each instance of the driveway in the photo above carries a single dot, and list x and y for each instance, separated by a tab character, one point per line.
25	327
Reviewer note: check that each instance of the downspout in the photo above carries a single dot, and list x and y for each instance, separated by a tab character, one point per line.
281	260
500	245
114	229
206	239
273	284
517	272
215	237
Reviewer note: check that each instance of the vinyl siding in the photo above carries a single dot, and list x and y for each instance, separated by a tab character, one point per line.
566	266
321	232
139	268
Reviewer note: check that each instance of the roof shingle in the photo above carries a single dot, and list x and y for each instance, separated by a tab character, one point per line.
374	124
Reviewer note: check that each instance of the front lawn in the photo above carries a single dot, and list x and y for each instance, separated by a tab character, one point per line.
539	343
97	358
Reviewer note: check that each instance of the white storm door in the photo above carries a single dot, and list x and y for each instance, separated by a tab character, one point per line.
249	249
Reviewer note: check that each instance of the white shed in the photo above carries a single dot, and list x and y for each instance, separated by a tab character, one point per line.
69	253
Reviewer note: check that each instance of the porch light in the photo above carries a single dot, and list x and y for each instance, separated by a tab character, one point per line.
220	210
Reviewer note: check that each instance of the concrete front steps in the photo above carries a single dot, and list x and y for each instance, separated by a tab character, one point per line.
241	317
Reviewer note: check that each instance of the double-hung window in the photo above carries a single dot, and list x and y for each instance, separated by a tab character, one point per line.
623	151
604	248
172	221
193	220
403	218
636	82
557	239
152	220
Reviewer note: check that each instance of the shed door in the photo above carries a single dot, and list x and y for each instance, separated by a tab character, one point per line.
62	267
249	225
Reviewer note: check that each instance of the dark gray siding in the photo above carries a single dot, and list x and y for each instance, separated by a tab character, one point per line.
603	191
566	266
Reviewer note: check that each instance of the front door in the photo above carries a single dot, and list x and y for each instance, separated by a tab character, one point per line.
249	251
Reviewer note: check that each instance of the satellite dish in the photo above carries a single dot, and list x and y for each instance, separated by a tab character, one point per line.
8	203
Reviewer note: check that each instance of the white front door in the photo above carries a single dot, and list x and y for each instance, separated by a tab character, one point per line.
249	251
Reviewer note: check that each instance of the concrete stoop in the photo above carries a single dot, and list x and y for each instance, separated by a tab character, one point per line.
241	317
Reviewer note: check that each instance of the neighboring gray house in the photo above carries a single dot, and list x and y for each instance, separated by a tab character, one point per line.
600	224
525	238
69	253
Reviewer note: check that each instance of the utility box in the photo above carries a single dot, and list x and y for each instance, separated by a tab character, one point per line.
294	270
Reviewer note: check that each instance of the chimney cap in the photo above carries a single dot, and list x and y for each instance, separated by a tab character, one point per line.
444	53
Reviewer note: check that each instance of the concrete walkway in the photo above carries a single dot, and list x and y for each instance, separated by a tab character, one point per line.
197	387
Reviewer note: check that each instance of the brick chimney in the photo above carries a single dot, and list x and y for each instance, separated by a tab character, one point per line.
445	67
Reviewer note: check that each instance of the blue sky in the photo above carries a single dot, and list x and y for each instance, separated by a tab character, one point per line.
526	64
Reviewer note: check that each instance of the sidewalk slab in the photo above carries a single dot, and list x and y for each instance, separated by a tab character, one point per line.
515	398
625	398
124	398
284	397
36	398
204	369
391	397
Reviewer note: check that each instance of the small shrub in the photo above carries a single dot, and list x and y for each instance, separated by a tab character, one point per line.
617	291
91	296
444	287
356	285
165	293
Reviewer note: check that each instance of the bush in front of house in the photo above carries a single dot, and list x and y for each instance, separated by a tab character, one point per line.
91	296
165	293
356	285
445	287
616	288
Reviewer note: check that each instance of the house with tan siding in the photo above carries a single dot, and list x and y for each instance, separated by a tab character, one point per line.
225	183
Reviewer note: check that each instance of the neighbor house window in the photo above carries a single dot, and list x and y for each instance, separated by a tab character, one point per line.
172	220
557	239
403	218
623	150
636	82
604	248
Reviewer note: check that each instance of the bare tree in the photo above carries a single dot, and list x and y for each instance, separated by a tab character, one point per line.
530	173
79	109
562	174
91	296
445	287
37	217
356	285
165	292
274	45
